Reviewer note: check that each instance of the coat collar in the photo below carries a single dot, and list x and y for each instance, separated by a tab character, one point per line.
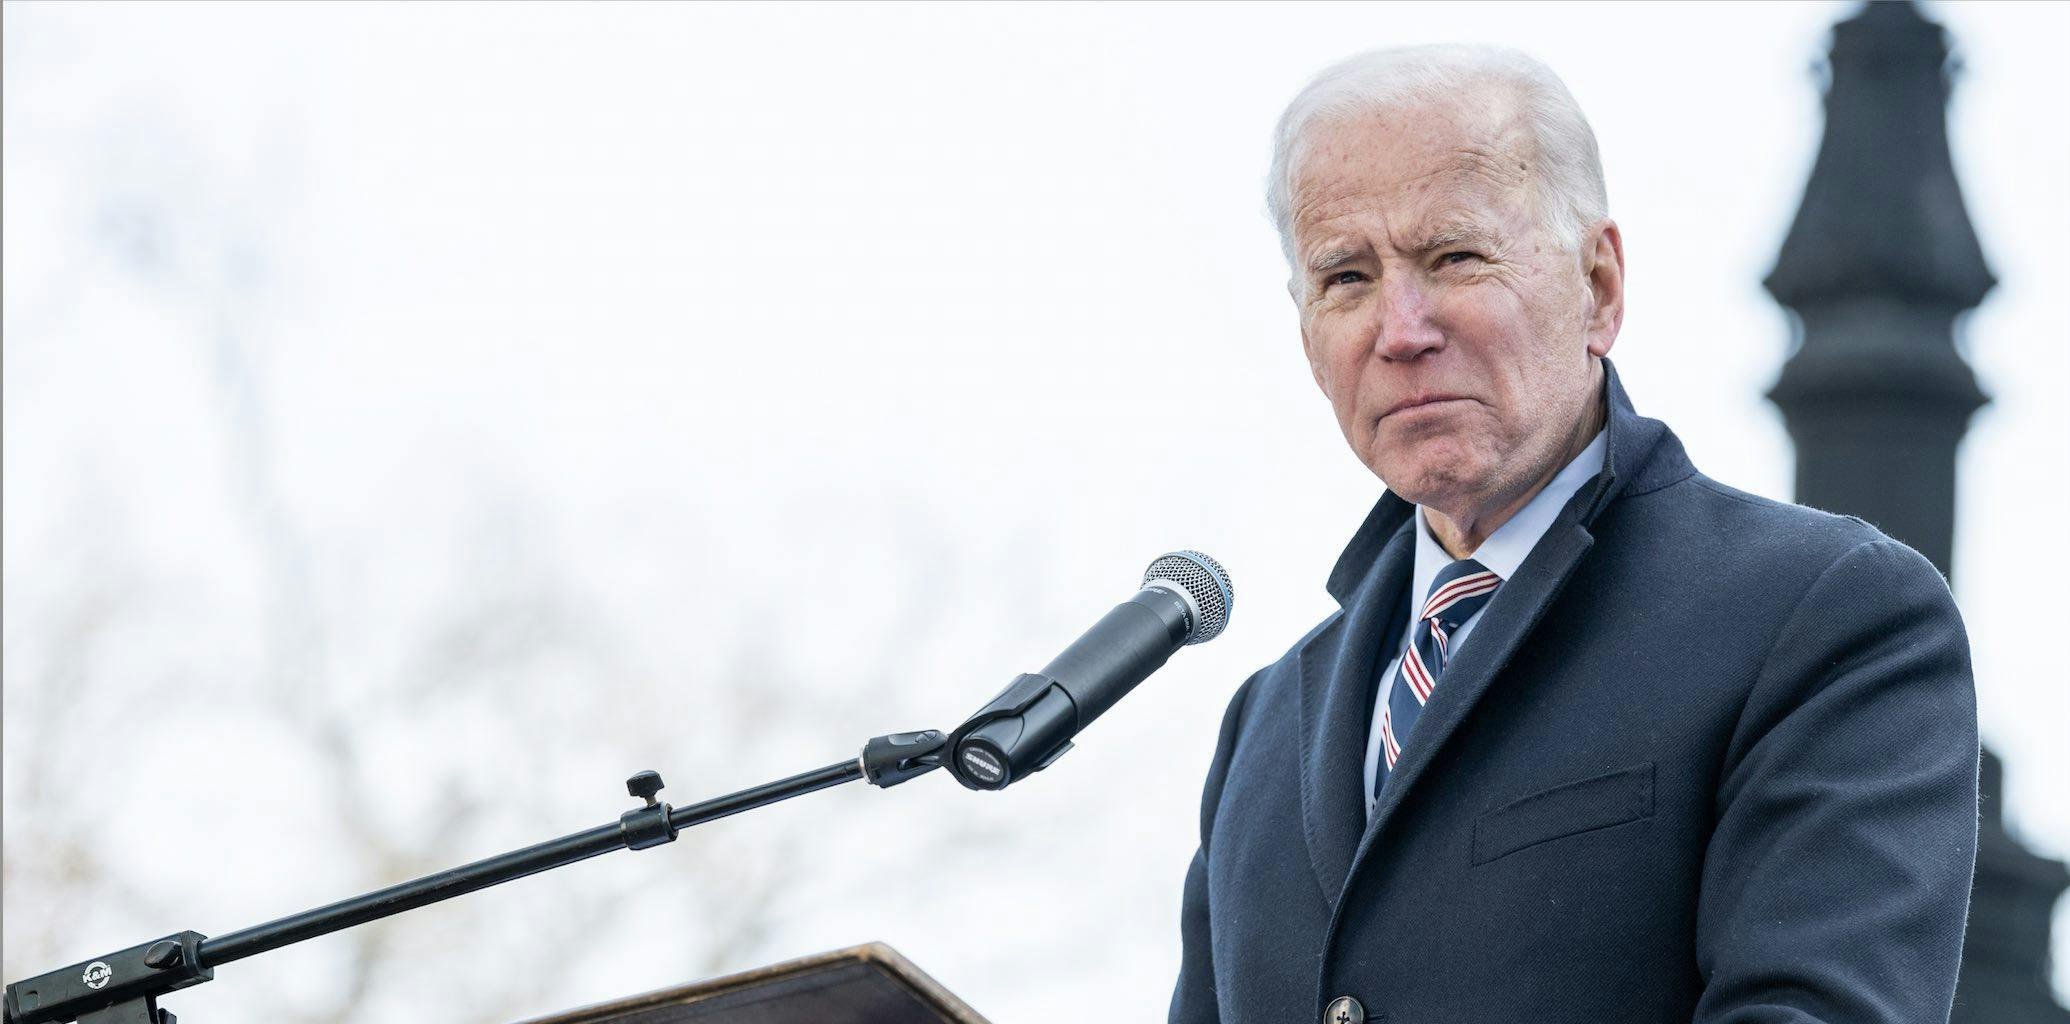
1340	664
1642	455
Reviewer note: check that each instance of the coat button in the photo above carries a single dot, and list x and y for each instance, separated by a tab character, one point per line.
1344	1010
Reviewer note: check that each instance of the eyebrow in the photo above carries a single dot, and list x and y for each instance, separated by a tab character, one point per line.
1445	238
1330	259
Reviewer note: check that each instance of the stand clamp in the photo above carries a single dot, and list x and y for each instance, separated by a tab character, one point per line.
646	826
120	988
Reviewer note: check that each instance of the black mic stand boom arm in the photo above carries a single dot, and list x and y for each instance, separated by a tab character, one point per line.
123	987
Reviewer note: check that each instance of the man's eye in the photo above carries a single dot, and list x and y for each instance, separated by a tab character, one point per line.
1458	257
1346	277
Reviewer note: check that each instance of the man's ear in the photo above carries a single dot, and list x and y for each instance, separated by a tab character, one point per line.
1602	266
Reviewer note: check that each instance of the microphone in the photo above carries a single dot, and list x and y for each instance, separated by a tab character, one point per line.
1185	599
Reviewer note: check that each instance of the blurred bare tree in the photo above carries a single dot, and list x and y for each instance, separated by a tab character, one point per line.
429	742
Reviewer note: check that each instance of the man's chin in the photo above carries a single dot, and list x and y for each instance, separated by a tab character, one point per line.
1428	470
1438	486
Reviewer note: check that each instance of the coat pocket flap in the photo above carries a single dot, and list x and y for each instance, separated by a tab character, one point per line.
1601	801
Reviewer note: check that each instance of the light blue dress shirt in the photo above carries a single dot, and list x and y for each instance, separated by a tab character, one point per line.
1503	552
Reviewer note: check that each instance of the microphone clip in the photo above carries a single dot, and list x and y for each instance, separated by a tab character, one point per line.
1022	731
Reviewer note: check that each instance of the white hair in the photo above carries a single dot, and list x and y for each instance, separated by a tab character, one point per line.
1567	174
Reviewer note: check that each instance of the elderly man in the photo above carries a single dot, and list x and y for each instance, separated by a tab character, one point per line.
1593	737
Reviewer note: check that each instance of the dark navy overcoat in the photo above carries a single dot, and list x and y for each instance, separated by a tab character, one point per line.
1706	757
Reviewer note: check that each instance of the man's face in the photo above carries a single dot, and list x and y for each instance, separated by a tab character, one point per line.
1451	333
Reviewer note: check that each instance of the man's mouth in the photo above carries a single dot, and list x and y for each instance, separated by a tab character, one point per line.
1420	401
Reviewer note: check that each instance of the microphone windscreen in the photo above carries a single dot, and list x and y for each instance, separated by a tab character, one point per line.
1205	581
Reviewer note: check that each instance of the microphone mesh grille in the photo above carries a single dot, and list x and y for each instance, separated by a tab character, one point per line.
1205	581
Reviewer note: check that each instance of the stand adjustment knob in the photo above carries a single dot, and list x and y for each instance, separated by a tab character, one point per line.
644	785
163	954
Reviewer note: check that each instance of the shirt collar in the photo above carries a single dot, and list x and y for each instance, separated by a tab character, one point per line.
1505	550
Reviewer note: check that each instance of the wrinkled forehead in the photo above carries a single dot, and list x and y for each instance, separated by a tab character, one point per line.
1450	160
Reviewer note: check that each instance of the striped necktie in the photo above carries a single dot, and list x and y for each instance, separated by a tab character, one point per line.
1460	590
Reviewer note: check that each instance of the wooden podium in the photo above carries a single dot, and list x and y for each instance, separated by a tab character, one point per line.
867	984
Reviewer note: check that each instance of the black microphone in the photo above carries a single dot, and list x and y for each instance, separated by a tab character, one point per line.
1185	599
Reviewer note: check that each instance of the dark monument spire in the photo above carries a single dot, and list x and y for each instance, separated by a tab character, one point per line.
1877	267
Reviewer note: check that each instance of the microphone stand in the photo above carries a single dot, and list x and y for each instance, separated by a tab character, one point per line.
123	987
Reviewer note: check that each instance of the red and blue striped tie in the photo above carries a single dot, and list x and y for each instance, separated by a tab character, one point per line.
1460	590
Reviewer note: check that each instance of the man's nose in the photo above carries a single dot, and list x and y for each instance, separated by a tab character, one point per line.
1407	327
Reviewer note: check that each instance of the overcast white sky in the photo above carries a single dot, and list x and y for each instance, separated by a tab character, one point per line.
733	314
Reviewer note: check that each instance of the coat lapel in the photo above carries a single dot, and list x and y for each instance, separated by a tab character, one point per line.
1517	607
1339	667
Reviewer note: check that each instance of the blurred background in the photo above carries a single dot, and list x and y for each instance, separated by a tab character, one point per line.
417	418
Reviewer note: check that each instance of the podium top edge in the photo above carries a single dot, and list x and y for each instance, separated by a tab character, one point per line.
928	990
